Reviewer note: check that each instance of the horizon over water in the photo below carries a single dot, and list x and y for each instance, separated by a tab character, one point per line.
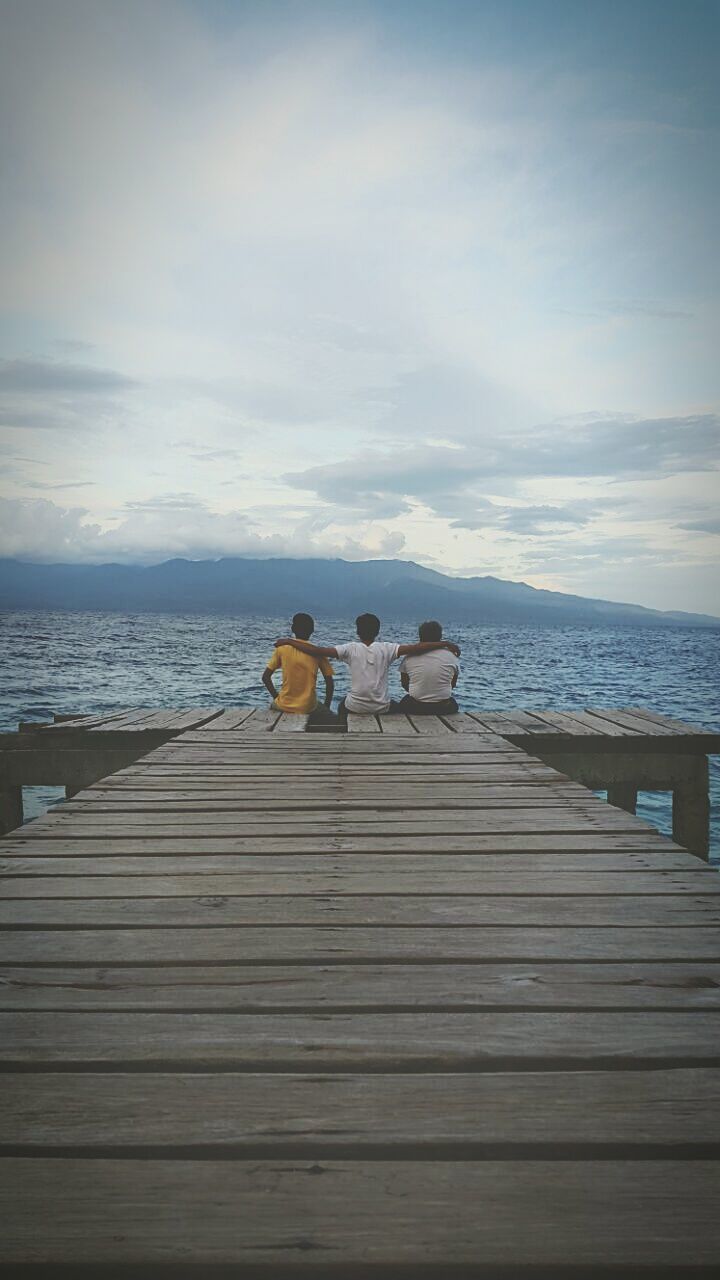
62	662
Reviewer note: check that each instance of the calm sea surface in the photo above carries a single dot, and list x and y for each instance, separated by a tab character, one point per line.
93	662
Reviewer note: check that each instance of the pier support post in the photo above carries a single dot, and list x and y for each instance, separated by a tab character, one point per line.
691	810
11	809
623	795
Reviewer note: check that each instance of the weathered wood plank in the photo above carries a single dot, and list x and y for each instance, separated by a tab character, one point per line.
232	718
304	843
343	881
363	724
291	724
430	726
682	726
637	724
230	1112
380	911
397	727
566	724
660	1213
389	1041
342	988
329	944
679	869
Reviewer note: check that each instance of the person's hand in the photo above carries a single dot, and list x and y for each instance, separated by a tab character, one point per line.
454	648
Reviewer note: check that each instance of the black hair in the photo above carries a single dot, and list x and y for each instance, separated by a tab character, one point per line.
430	631
303	626
368	627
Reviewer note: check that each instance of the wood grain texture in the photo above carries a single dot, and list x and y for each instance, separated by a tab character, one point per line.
378	1213
330	944
237	988
386	1041
229	1112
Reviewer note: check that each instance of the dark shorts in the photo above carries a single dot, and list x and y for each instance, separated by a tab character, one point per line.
408	706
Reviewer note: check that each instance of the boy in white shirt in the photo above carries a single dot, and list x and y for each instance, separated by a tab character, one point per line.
369	660
429	678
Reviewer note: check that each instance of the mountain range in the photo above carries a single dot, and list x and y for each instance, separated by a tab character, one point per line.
394	589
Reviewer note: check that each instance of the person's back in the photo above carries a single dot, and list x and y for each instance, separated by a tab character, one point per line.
369	664
298	695
429	678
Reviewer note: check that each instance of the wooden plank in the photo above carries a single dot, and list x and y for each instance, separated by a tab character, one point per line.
513	723
339	802
397	727
291	724
567	818
132	722
446	912
461	722
82	722
637	723
363	724
343	988
232	718
681	726
330	944
305	843
659	1214
388	1042
679	869
430	726
466	823
565	723
275	1113
186	789
357	880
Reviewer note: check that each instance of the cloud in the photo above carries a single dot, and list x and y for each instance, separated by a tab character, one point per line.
707	524
160	528
43	376
70	484
454	482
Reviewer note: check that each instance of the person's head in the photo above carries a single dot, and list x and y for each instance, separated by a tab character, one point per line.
430	631
368	627
303	626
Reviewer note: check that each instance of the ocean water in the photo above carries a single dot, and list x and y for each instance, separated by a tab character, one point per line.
55	662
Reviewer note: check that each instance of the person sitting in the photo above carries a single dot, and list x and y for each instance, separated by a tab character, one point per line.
429	678
298	695
369	661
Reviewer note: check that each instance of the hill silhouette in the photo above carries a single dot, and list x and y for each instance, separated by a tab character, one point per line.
397	589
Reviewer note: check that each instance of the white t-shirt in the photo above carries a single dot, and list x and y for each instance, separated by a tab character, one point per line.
369	666
431	675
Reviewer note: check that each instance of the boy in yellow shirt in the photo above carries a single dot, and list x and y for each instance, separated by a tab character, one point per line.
299	677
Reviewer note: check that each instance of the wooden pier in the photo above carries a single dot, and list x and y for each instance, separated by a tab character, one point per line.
402	1002
618	751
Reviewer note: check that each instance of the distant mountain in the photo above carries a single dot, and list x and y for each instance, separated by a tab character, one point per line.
397	589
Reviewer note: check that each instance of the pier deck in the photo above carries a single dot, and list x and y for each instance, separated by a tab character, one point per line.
618	751
404	1002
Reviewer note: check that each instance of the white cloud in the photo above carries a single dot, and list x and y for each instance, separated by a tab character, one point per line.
167	526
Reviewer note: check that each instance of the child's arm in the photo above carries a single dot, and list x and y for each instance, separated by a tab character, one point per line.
305	646
405	681
426	646
329	689
267	679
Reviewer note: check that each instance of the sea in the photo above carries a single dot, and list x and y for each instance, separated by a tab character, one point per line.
62	662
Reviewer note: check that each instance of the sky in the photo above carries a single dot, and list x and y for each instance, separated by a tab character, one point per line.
435	281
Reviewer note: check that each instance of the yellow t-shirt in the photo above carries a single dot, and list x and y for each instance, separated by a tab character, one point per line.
299	674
